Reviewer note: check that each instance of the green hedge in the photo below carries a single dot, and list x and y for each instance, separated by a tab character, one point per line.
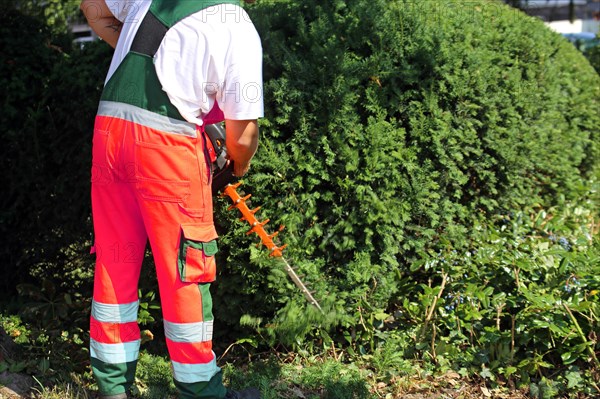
391	126
51	93
393	131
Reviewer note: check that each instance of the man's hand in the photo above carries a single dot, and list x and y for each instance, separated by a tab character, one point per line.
101	20
241	139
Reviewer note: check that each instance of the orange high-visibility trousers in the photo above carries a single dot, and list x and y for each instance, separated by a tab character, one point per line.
151	182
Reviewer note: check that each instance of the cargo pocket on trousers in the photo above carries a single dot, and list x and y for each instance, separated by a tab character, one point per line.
197	250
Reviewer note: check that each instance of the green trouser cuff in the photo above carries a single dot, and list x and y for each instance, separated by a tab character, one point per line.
113	379
212	389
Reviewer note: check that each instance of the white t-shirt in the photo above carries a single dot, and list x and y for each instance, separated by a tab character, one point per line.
214	54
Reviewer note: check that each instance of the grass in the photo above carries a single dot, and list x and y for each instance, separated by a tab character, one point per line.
293	377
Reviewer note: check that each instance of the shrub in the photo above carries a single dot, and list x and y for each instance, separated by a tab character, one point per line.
391	128
51	96
593	55
27	62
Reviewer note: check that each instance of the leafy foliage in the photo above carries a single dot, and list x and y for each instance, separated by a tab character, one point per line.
520	301
593	55
55	13
51	96
391	127
392	130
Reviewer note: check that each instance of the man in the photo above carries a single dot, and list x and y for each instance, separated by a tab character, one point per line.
178	66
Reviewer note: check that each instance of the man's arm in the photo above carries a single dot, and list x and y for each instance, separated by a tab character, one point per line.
101	20
241	139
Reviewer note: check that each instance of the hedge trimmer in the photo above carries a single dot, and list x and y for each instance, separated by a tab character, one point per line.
224	183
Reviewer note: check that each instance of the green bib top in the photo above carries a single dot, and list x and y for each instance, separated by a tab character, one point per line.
135	81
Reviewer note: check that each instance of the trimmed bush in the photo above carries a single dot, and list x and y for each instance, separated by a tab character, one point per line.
390	128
